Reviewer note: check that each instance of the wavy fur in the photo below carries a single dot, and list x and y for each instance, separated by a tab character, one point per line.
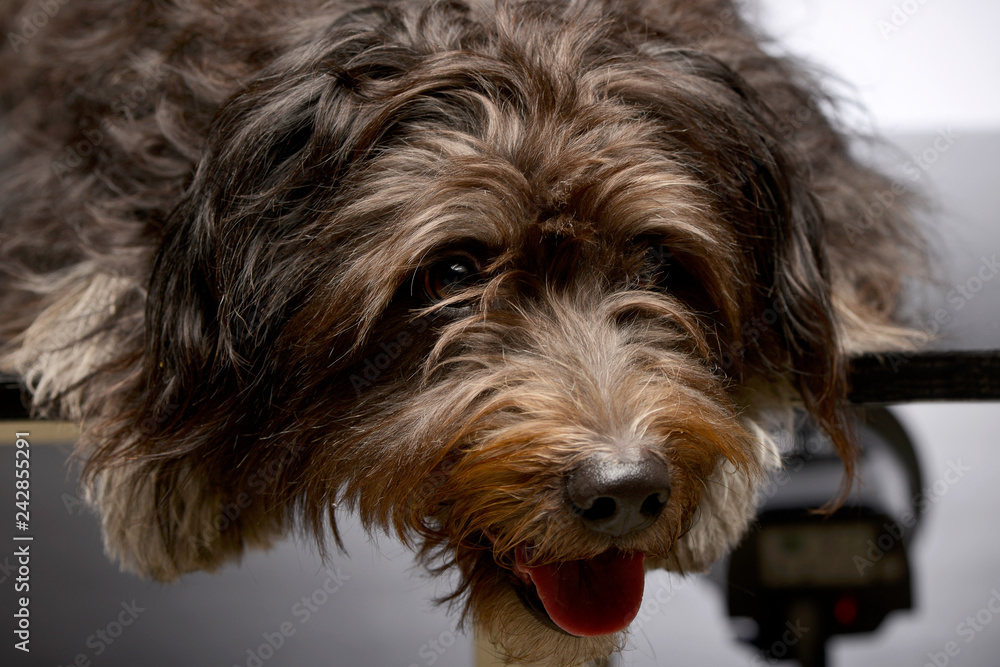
216	219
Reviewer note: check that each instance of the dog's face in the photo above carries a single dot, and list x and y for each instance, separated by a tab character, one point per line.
504	288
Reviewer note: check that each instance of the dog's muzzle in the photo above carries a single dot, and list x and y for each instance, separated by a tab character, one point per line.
599	595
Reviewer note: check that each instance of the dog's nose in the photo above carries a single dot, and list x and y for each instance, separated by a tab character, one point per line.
617	498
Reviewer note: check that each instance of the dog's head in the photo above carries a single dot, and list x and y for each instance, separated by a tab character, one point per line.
506	287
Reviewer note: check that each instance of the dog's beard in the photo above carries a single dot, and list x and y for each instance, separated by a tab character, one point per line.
511	404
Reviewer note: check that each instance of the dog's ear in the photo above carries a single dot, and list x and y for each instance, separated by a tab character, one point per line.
791	331
760	181
252	313
805	344
172	470
197	458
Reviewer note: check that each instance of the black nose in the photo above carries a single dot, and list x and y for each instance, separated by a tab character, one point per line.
617	497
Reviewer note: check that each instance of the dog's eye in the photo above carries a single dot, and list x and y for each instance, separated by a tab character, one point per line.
659	261
667	272
445	279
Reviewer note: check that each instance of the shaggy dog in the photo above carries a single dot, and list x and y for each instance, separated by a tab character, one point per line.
521	283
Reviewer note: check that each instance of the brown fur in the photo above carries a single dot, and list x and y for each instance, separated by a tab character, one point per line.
216	219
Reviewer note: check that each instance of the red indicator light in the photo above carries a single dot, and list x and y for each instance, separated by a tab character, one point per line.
845	611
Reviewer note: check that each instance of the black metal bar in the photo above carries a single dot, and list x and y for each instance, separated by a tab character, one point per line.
12	403
878	379
926	376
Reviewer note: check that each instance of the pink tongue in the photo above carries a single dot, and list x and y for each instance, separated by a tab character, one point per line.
598	596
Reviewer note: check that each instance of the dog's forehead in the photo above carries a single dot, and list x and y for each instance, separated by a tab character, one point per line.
506	142
544	125
602	187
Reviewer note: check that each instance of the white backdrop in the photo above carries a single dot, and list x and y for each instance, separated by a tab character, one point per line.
916	65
